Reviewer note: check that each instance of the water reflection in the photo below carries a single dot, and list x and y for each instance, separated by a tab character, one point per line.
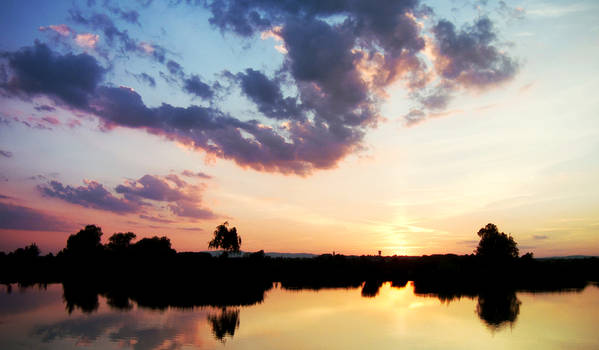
127	318
498	308
224	323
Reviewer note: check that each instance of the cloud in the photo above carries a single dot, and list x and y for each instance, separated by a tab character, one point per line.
199	174
92	195
191	228
130	16
61	29
184	199
194	85
469	56
315	111
117	38
414	117
174	68
6	154
347	63
540	237
45	108
190	209
87	40
150	187
267	95
146	78
70	79
156	219
23	218
144	195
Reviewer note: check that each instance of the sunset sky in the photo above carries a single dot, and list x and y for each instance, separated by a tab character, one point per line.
312	126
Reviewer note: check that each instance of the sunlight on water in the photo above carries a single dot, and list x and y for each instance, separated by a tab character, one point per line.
308	319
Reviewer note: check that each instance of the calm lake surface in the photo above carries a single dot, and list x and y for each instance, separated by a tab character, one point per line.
38	318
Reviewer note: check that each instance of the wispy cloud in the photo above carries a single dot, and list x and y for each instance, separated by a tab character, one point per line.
18	217
556	10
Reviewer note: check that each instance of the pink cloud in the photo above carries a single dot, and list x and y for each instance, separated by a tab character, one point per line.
61	29
87	40
51	120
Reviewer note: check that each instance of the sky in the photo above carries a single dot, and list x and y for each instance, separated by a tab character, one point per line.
311	126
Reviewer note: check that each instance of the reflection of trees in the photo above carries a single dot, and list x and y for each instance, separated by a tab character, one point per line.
370	289
498	308
80	296
225	323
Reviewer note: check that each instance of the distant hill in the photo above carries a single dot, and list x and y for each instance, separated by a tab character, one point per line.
567	257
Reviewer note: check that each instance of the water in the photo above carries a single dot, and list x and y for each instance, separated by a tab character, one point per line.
38	318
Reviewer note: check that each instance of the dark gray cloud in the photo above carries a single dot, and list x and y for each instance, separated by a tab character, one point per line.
6	154
300	148
150	187
268	97
381	34
17	217
469	56
92	195
174	68
194	85
39	70
182	199
340	57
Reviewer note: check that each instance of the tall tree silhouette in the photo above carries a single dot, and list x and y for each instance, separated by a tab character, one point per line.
86	242
495	245
226	239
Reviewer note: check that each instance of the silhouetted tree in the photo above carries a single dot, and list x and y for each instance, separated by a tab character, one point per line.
120	241
86	242
224	324
495	245
225	238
